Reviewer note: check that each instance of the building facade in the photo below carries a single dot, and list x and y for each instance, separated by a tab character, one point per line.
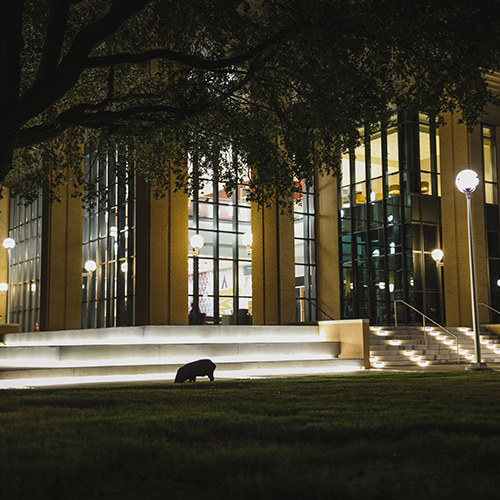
356	247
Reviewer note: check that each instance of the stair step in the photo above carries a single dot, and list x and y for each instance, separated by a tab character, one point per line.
168	370
160	351
140	352
435	351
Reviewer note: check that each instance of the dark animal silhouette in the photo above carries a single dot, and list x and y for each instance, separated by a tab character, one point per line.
200	368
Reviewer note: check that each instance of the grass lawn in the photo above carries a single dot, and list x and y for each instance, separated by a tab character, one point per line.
373	436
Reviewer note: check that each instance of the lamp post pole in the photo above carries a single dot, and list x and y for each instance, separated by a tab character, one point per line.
9	281
197	243
90	266
9	244
438	255
475	315
466	182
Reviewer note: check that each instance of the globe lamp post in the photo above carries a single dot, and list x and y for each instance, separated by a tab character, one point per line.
197	243
9	244
467	182
438	255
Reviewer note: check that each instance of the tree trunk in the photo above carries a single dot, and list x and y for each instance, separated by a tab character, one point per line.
10	77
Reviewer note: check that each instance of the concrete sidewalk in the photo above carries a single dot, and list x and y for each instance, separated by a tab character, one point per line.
169	378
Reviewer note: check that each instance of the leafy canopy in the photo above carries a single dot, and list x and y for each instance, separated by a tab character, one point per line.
269	87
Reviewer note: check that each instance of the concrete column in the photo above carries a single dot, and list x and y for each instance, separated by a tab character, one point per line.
273	267
327	247
61	272
162	257
462	150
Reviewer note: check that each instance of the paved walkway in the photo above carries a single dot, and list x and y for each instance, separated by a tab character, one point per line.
168	378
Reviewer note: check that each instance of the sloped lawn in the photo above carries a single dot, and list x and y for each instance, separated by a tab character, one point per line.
373	436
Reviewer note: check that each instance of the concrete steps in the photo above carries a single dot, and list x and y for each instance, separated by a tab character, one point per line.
410	346
158	352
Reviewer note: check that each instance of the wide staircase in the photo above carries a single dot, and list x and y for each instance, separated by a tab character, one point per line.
419	346
156	353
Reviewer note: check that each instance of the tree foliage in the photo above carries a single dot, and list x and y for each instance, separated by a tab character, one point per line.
275	88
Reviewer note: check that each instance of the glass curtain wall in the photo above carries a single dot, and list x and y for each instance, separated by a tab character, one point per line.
423	155
109	240
25	228
305	254
386	234
220	277
492	215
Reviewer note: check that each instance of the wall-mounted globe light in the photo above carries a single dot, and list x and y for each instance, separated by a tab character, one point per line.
90	266
437	255
196	242
9	243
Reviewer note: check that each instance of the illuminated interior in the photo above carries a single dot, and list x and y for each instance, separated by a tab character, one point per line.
389	217
220	277
25	228
108	293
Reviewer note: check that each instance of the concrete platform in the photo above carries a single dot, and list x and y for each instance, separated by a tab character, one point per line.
156	353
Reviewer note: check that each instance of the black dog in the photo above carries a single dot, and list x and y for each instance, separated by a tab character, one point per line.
200	368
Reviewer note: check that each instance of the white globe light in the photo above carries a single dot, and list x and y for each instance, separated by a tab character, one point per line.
197	241
467	181
9	243
90	266
437	254
4	287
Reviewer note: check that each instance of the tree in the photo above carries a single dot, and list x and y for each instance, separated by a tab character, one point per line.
273	87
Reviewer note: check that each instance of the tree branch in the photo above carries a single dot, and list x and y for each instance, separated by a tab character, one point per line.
10	75
49	89
10	48
58	17
192	60
91	116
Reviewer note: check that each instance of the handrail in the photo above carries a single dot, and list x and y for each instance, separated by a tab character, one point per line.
430	319
489	307
315	305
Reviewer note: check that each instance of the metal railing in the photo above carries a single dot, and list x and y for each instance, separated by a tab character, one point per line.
314	305
489	307
429	319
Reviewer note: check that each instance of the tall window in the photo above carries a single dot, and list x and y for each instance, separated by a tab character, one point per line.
305	254
109	240
220	277
25	227
426	217
490	171
490	165
389	221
